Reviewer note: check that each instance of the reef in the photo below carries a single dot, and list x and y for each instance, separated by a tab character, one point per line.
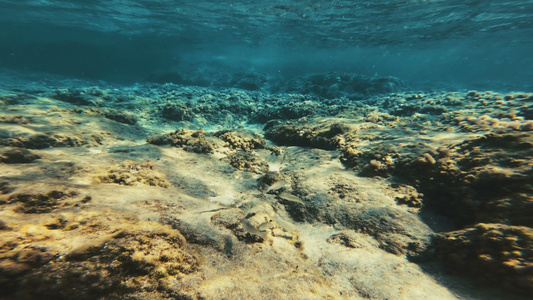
175	192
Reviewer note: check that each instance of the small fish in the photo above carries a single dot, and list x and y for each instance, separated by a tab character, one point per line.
291	197
266	226
248	227
286	225
277	186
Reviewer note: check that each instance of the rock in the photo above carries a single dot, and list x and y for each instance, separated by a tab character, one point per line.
228	218
295	134
340	84
73	96
47	140
5	187
397	231
3	225
189	140
134	173
120	116
176	111
248	162
269	179
345	239
496	254
17	156
146	256
38	203
241	140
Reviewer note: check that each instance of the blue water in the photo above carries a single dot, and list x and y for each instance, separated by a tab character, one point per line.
368	149
427	44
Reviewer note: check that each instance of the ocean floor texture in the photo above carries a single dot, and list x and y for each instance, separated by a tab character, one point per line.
164	191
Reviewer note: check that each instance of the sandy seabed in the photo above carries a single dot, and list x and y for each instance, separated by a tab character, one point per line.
173	192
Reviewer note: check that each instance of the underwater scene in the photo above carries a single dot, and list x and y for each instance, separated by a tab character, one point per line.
282	149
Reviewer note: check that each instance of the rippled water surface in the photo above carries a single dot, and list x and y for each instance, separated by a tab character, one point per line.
464	44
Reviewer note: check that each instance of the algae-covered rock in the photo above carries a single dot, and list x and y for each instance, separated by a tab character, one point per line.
189	140
77	96
47	140
15	119
397	231
289	111
176	111
44	202
248	162
378	161
341	84
296	134
241	140
494	253
131	262
5	187
134	173
17	156
97	255
119	116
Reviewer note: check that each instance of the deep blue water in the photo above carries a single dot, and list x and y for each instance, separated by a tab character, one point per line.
427	44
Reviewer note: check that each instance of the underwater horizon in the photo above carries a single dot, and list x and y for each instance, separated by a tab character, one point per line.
426	44
284	149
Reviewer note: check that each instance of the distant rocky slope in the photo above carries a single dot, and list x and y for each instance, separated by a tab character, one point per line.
325	85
